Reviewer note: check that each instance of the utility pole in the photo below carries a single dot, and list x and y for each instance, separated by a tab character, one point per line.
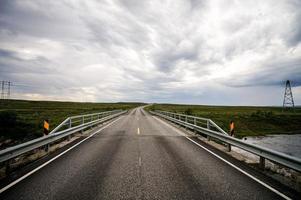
288	101
2	89
5	89
8	90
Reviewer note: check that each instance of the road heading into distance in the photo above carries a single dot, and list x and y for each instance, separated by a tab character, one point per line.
138	156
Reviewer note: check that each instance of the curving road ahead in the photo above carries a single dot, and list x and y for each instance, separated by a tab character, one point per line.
138	157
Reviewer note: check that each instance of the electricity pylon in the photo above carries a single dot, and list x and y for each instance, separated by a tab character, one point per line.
288	101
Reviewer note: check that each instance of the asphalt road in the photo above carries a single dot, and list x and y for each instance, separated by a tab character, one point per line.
138	157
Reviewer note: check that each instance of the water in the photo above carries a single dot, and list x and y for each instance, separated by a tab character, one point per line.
288	144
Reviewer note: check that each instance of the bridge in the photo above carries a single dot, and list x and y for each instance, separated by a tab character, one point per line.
138	155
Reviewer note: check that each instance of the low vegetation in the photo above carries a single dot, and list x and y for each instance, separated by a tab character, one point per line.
21	120
249	121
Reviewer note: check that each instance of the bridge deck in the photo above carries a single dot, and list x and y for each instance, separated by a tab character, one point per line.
138	157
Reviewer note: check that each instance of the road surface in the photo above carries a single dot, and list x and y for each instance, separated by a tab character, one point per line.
138	157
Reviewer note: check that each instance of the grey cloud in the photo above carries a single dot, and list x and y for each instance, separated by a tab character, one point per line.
197	4
7	54
267	77
38	20
166	61
134	6
185	51
294	36
10	62
109	33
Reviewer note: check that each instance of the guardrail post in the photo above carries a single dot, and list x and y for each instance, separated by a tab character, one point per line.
83	121
91	127
186	122
7	167
70	125
208	124
208	127
47	147
194	122
228	147
261	162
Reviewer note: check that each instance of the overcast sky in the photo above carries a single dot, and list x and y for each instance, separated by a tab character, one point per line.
199	52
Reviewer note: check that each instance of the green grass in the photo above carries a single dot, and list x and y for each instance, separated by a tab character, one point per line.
249	121
23	120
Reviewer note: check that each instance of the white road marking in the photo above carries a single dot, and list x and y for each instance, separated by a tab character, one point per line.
139	161
232	165
138	131
49	161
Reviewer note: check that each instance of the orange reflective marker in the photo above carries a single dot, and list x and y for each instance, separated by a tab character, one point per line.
232	128
46	127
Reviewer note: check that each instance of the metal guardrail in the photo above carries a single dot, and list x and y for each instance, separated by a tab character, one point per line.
81	119
199	121
262	152
71	124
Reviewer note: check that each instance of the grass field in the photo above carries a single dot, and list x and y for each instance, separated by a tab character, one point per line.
23	120
249	121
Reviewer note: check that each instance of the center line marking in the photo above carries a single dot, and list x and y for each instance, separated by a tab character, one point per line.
139	161
138	131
